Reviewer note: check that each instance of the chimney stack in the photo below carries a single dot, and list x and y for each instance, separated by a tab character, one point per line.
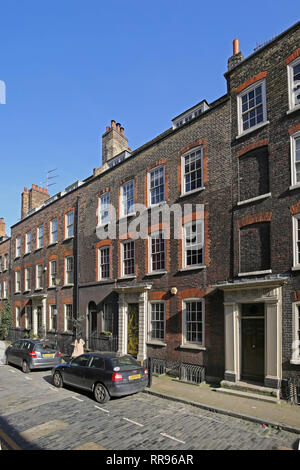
113	142
237	56
2	228
32	198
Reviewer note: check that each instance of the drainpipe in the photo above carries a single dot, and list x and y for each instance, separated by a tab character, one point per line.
77	262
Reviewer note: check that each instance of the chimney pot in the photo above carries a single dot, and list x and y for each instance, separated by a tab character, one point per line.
122	130
118	126
113	124
107	128
235	46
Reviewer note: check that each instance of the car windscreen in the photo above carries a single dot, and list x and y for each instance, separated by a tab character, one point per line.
44	347
124	363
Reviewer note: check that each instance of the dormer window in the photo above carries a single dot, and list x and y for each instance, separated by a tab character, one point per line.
192	113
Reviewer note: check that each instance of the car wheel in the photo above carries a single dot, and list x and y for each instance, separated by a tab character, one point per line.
25	367
101	394
57	379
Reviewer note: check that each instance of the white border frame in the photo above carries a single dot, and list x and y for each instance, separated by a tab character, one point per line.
293	138
290	74
262	82
184	342
151	340
194	149
148	186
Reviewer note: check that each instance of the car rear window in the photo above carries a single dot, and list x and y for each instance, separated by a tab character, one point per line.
44	347
124	363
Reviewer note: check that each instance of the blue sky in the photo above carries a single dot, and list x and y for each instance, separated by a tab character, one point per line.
71	66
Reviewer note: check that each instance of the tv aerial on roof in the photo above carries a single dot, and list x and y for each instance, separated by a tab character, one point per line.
50	177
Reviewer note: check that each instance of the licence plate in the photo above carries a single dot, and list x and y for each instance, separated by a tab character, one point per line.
134	377
48	355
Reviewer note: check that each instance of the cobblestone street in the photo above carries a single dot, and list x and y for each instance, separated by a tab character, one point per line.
35	415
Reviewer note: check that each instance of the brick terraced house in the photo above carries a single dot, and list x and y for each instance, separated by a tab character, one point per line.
186	249
43	245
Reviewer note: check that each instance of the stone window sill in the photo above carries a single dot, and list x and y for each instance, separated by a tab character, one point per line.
295	361
194	191
156	343
252	129
193	346
157	273
253	199
192	268
52	244
293	110
255	273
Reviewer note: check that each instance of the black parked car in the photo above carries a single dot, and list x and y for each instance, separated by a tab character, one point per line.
30	354
105	374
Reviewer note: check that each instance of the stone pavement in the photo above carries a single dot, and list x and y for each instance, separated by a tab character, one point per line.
282	414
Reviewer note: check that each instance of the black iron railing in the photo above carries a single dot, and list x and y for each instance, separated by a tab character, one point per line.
191	373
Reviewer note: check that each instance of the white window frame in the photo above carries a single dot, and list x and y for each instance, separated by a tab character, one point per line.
293	139
290	71
66	316
296	242
69	225
18	247
5	289
5	262
185	342
39	238
153	170
52	315
17	281
52	272
53	233
100	277
246	91
38	285
67	275
104	209
183	174
18	316
185	246
295	359
150	256
123	258
151	339
28	317
27	279
124	198
28	242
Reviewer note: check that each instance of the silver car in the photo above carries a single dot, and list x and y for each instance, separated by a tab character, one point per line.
32	354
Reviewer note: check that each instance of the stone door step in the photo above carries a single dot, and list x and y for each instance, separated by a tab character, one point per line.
239	393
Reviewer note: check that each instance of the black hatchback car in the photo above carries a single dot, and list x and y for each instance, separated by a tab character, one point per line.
32	354
105	374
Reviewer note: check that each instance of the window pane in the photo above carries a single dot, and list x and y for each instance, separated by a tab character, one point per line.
157	321
158	252
194	322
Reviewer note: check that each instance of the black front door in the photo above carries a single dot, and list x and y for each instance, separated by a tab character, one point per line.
253	342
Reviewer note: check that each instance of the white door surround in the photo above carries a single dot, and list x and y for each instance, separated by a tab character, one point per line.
259	291
130	295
